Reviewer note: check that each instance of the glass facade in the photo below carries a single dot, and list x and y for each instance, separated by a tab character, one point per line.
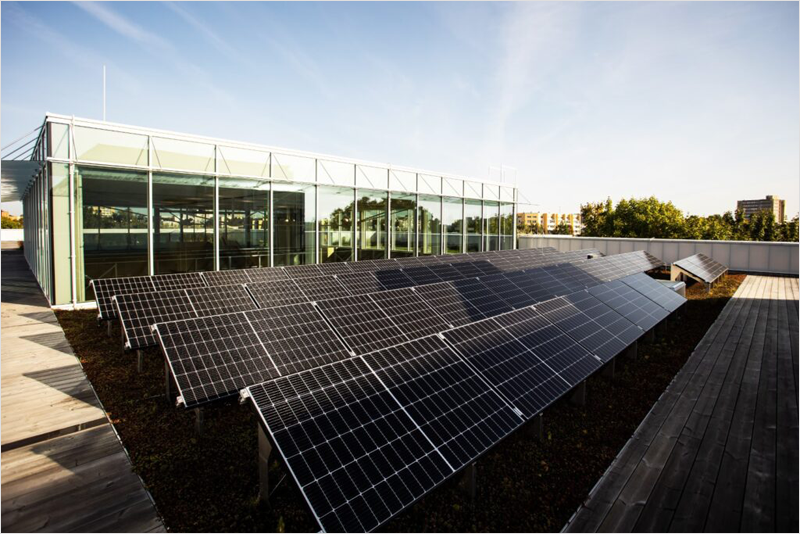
372	224
116	201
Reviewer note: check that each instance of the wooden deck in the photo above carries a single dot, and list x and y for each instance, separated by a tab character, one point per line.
63	467
719	450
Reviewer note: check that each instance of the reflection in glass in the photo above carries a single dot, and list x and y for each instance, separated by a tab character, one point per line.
452	217
294	224
371	226
403	231
111	219
243	223
492	225
507	226
335	224
430	225
183	223
472	222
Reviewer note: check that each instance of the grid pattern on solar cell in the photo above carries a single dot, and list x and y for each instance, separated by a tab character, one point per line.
138	312
449	303
453	406
703	267
572	276
297	337
609	319
361	323
445	272
106	288
481	297
421	275
507	290
321	288
354	452
580	327
538	284
658	293
485	267
267	274
226	278
361	283
409	312
214	357
220	299
335	267
393	279
276	293
310	270
467	269
166	282
629	303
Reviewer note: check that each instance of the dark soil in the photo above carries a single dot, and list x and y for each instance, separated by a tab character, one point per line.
210	482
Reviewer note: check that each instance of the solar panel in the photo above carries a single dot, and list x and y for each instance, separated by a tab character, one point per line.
421	275
296	272
507	290
220	299
702	267
449	303
166	282
276	293
580	327
409	312
214	357
266	274
658	293
138	312
467	269
297	337
453	406
361	322
335	267
106	288
393	279
481	297
630	304
226	278
446	272
321	288
537	284
606	317
485	267
356	455
360	283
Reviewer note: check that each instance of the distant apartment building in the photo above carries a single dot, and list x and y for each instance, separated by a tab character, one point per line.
772	204
5	214
550	221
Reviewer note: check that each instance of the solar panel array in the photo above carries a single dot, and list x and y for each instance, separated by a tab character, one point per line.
702	267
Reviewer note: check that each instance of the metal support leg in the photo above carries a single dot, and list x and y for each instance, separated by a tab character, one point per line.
109	329
608	370
139	361
468	482
264	452
535	427
199	416
578	397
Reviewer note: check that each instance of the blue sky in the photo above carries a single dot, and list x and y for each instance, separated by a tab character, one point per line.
692	102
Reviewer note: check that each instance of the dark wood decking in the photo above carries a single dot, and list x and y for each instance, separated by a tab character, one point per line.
719	450
63	467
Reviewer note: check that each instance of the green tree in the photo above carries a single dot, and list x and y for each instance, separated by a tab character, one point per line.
762	226
647	217
10	223
789	230
535	228
597	218
562	229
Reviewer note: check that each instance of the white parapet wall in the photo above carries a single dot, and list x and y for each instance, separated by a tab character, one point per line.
745	256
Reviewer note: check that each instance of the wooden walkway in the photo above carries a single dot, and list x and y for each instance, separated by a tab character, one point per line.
719	450
63	467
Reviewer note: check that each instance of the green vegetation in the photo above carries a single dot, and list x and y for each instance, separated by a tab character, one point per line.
10	223
651	218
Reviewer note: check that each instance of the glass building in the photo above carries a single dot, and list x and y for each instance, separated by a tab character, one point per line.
109	200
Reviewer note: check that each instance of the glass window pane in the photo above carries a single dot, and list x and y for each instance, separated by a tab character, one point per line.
294	224
59	174
183	215
288	167
403	225
243	162
402	181
335	223
92	144
243	223
182	155
335	173
430	225
452	220
491	212
58	146
472	221
371	177
111	225
371	226
507	226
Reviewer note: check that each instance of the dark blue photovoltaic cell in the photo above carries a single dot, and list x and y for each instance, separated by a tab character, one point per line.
481	297
629	303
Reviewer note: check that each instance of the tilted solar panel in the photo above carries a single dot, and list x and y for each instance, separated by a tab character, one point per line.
266	274
393	278
220	299
166	282
599	312
297	337
703	267
421	275
507	290
449	303
361	323
276	293
467	269
106	288
629	303
446	272
310	270
214	357
335	267
658	293
360	283
226	278
138	312
481	297
321	288
409	312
